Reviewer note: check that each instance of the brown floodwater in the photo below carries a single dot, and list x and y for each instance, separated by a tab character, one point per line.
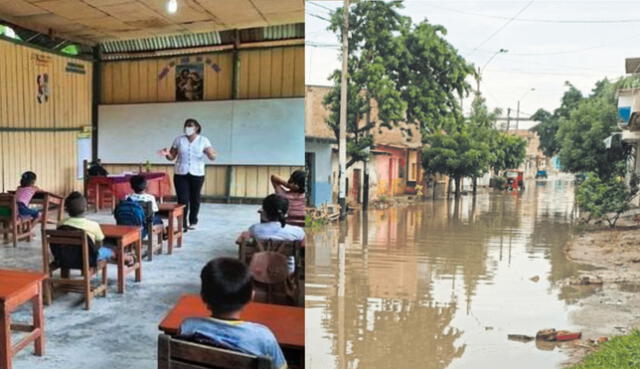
441	284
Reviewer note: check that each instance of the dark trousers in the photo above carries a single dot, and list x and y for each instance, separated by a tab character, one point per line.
188	188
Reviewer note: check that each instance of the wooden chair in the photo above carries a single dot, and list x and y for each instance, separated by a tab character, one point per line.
153	231
11	223
271	287
99	195
72	249
175	353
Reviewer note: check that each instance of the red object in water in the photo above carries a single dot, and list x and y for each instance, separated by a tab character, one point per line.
568	336
515	180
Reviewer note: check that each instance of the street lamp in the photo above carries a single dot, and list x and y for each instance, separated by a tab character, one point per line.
518	109
480	70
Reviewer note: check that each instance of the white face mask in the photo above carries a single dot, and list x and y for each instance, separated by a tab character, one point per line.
189	130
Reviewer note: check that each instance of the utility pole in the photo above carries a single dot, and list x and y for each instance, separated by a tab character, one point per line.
342	142
508	118
518	115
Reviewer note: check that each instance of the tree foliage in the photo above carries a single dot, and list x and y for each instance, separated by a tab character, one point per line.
549	124
582	131
411	72
606	199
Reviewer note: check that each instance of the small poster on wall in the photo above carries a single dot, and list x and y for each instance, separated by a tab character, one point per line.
43	87
189	82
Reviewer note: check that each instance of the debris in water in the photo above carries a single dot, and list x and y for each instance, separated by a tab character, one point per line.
520	338
535	278
567	336
546	335
585	280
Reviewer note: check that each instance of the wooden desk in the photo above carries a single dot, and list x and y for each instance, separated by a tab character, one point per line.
125	237
175	213
16	288
158	185
286	322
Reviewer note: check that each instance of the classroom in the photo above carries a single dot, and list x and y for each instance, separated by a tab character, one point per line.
141	143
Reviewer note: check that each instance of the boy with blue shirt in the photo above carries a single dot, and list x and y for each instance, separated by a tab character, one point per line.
227	287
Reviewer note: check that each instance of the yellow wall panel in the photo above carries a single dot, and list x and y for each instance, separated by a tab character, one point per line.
51	155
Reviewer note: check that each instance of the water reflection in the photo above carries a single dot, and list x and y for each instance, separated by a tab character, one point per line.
441	284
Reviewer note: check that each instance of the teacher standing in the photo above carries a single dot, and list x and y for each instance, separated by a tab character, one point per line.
190	151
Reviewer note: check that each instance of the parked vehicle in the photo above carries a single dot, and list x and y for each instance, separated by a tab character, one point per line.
515	180
541	174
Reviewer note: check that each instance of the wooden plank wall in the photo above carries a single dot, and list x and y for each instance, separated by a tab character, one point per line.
247	181
51	155
264	73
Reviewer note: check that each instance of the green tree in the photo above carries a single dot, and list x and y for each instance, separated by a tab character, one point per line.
509	151
606	199
581	137
549	124
456	154
374	50
433	78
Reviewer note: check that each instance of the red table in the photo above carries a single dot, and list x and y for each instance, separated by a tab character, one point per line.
124	237
286	322
158	184
16	288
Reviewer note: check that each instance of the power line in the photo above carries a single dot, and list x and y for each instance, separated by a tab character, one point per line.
538	20
321	6
319	17
504	25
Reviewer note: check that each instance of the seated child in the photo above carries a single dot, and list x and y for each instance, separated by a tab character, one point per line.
139	185
293	190
273	224
227	287
76	205
24	194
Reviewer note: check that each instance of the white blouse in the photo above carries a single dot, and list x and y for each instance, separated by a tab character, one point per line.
191	156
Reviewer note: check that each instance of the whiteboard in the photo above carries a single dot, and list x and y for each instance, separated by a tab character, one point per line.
243	132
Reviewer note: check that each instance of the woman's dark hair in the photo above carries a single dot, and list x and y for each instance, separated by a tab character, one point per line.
275	208
298	178
138	183
27	179
195	123
75	204
227	285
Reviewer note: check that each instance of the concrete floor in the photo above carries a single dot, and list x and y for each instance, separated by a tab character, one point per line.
120	331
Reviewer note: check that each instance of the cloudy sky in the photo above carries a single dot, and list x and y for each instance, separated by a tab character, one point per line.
548	43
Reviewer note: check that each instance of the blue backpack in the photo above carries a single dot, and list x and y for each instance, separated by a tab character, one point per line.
130	213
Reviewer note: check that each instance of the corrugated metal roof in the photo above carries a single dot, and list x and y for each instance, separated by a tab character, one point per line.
162	42
283	31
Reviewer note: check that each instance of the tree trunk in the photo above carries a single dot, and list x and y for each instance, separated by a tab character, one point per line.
475	185
435	184
458	180
449	186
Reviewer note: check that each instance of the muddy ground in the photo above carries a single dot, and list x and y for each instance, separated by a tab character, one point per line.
610	283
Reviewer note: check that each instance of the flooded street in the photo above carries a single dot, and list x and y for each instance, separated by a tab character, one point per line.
441	284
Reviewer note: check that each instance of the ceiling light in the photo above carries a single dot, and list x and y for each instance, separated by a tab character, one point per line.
172	6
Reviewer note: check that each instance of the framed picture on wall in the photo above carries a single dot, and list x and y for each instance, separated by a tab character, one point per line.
189	82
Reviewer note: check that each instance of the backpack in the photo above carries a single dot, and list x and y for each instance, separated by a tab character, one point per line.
130	213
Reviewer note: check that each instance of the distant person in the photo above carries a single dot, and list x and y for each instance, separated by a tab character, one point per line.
294	190
96	169
24	194
227	287
189	151
76	205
